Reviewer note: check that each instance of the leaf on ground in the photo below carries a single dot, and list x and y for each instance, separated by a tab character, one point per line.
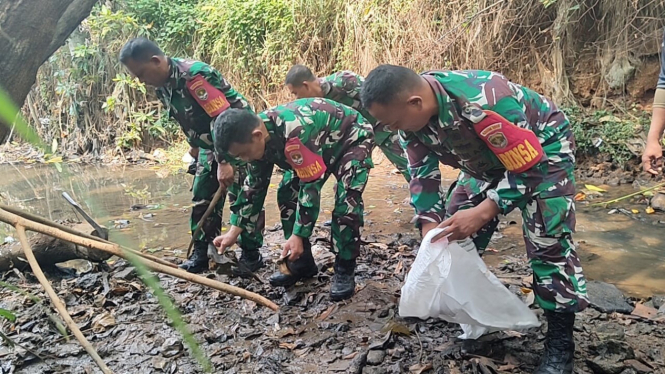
103	321
399	267
526	290
420	368
54	159
327	313
650	210
591	187
580	196
396	328
350	356
644	311
7	315
508	367
635	211
289	346
381	246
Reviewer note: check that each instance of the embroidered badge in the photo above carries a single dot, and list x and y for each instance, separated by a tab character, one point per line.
308	165
212	100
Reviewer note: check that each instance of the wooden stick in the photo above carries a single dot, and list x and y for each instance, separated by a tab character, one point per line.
57	303
114	249
67	229
606	203
199	226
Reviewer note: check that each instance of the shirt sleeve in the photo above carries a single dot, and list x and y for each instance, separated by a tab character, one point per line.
427	195
215	78
515	190
245	210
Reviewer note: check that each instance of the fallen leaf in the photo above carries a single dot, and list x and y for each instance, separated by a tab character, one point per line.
382	246
644	311
491	250
102	321
246	356
399	267
420	368
289	346
526	290
650	210
591	187
530	298
396	328
350	356
327	313
285	332
580	196
635	211
508	367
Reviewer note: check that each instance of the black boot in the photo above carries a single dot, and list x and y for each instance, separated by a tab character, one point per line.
250	261
343	282
198	261
559	345
302	268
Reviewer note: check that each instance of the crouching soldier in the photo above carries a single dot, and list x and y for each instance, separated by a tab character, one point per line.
515	149
310	139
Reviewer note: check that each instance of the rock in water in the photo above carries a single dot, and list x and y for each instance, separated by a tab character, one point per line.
658	201
658	301
607	298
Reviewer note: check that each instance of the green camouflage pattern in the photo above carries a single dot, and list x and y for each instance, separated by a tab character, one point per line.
203	190
544	193
344	87
197	126
344	140
194	121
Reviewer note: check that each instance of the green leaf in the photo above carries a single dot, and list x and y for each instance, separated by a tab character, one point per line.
54	145
7	314
9	113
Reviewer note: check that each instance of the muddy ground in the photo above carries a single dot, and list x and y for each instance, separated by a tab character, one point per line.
310	334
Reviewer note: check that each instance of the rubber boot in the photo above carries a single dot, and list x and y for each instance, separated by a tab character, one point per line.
343	282
559	344
302	268
250	261
198	261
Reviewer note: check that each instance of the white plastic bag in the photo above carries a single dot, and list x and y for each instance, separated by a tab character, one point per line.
450	281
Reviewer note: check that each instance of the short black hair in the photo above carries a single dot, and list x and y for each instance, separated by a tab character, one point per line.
234	126
140	50
298	74
386	82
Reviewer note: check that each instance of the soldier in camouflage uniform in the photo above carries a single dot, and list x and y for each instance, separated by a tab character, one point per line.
515	150
344	87
195	94
310	139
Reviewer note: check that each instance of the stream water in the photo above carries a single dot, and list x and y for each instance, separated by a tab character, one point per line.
623	249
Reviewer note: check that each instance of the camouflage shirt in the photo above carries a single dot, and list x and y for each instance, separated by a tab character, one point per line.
344	87
330	136
451	139
193	119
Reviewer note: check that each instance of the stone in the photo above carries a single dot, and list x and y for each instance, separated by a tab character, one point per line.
658	301
171	347
375	357
127	274
601	365
347	351
358	363
610	331
638	366
374	370
607	298
661	311
658	201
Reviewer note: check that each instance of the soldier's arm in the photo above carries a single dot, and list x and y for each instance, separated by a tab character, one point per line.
214	77
427	195
350	83
245	210
516	189
309	204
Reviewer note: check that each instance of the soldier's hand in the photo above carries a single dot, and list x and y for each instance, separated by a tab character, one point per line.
225	241
294	246
652	159
225	174
467	222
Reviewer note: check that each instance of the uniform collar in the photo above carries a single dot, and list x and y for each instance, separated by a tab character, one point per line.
326	86
448	115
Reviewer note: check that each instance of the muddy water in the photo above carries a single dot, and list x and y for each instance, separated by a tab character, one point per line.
626	250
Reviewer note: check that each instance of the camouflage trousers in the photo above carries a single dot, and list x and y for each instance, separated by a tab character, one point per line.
204	188
547	224
388	142
347	215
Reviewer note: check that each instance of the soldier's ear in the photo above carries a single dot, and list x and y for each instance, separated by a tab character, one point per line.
415	101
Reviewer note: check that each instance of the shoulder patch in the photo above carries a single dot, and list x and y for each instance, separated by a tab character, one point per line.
212	100
308	165
518	149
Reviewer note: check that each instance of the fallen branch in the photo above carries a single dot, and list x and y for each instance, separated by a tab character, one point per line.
114	249
67	229
199	226
606	203
57	303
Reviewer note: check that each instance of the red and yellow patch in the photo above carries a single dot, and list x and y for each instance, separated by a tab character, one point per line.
518	149
308	165
212	100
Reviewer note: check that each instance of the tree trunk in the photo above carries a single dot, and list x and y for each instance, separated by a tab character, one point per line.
30	32
49	251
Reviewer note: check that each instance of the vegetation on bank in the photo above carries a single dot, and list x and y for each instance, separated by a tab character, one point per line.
571	50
